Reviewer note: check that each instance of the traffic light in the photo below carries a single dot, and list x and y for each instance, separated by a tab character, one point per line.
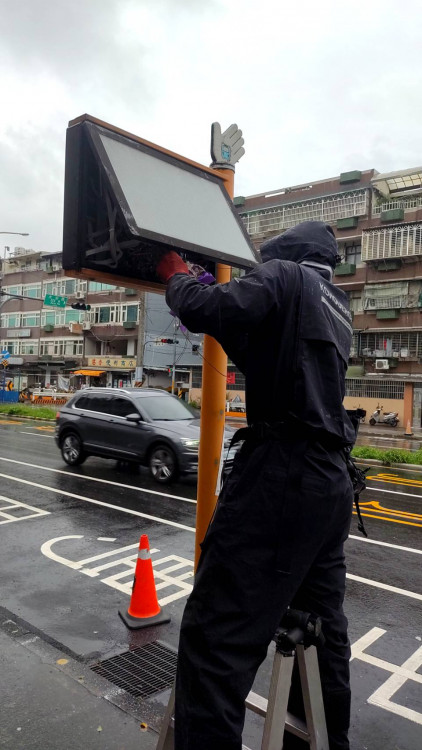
169	341
80	306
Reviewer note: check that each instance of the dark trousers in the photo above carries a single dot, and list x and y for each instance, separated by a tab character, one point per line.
276	540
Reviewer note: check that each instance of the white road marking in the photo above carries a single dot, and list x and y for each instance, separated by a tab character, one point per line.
106	539
184	527
400	674
165	575
130	512
386	544
15	510
37	434
384	586
96	479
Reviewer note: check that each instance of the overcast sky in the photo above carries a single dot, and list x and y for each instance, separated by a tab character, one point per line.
317	88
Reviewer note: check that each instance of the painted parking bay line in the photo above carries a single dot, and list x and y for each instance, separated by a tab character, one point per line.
14	510
171	572
399	675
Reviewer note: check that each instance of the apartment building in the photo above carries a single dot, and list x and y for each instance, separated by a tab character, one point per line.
377	220
98	346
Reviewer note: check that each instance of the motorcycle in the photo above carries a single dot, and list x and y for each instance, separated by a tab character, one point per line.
391	418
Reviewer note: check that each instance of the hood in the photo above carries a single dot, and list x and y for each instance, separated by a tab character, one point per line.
311	243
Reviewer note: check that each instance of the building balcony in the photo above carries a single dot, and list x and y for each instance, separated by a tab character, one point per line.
404	241
330	209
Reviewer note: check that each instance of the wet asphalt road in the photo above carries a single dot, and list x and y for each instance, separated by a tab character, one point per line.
69	536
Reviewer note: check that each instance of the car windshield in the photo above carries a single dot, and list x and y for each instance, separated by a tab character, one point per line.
161	407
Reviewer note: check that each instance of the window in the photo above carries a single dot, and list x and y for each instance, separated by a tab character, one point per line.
28	347
239	383
130	313
31	290
365	388
121	407
103	315
352	252
62	347
11	320
167	408
48	318
30	319
355	301
96	286
97	402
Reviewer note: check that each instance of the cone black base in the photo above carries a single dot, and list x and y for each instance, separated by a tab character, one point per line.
135	623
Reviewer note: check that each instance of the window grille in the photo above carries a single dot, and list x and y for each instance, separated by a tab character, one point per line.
392	242
406	203
400	345
351	252
365	388
327	209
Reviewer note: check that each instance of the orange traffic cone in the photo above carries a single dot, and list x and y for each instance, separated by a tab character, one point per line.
144	609
408	432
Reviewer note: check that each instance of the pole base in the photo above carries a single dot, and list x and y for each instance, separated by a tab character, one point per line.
135	623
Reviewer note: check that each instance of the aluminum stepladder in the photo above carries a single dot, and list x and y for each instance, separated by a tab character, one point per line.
298	635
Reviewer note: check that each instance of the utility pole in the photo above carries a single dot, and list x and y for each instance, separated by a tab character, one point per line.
141	336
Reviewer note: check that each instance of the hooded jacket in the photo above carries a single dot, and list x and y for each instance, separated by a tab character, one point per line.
286	327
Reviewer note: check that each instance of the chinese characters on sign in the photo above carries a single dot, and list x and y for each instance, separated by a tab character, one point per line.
118	363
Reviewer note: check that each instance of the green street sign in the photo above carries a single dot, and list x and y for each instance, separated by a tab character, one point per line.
54	300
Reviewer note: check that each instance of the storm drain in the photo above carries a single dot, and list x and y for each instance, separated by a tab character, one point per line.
143	671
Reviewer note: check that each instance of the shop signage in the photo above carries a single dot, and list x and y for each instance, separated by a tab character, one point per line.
113	363
19	333
15	360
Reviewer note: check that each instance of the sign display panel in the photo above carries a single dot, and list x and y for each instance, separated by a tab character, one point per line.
127	201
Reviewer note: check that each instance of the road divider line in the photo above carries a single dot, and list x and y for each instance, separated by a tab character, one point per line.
386	544
130	512
96	479
385	586
37	434
188	500
367	581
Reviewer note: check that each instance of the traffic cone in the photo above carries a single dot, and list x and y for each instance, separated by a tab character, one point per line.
144	609
408	432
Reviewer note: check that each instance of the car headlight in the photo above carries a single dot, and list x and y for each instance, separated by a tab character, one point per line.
190	443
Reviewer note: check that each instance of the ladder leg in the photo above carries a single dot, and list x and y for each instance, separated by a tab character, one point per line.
166	738
312	697
278	697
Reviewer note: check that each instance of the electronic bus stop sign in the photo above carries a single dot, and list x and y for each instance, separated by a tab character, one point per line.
127	201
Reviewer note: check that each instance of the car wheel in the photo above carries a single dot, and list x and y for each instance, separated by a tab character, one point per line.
162	464
72	450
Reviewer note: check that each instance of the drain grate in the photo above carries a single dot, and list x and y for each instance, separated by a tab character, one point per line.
143	671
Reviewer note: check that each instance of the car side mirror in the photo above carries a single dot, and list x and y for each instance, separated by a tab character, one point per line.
134	417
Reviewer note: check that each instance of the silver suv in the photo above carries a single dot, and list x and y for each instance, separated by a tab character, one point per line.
143	425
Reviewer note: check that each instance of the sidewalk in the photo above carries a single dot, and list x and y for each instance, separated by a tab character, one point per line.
380	430
49	701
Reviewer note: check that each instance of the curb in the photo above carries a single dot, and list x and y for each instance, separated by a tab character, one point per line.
18	418
376	462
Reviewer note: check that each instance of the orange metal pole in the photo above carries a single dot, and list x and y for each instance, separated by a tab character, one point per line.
213	411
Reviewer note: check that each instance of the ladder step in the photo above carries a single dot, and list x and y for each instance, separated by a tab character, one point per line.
258	705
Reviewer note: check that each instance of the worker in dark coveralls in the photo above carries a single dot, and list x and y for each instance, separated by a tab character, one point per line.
276	539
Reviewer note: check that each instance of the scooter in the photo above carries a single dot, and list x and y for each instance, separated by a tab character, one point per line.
392	418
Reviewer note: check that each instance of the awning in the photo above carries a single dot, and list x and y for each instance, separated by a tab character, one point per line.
95	373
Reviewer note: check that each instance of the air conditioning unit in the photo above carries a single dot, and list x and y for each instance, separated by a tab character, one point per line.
394	354
366	352
382	364
86	325
353	352
79	295
404	353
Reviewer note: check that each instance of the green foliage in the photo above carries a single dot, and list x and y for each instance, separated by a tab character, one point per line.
21	410
388	457
195	403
